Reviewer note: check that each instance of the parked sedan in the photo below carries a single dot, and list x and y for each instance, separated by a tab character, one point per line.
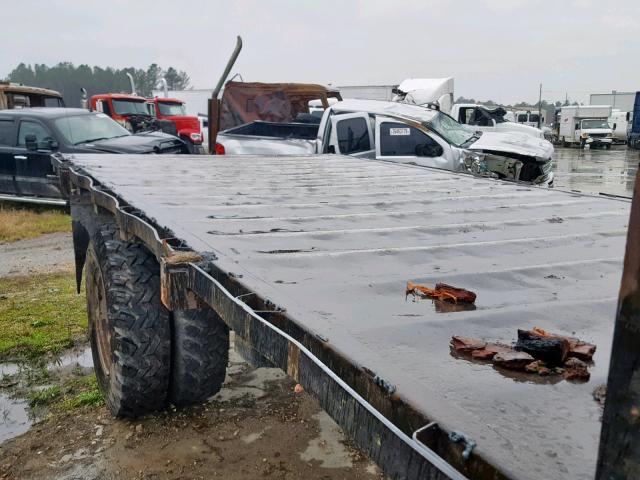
29	136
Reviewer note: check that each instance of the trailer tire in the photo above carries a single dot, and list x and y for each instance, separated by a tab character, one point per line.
200	354
129	329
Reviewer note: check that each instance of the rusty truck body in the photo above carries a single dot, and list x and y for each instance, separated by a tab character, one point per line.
16	95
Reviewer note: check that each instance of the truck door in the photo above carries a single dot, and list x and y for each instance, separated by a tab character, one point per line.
403	143
7	162
352	134
33	166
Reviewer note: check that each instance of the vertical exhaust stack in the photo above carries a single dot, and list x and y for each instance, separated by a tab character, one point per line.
133	84
165	87
84	101
214	104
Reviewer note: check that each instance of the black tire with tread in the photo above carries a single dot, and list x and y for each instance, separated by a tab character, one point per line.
137	381
200	354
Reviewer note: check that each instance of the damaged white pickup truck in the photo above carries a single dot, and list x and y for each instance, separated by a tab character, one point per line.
399	133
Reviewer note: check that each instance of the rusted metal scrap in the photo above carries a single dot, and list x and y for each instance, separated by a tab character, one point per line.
577	348
575	369
536	351
463	344
442	291
513	360
549	349
490	350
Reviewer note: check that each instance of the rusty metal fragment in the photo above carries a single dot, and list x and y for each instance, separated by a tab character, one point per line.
538	367
577	348
489	351
513	360
551	350
462	344
442	291
575	369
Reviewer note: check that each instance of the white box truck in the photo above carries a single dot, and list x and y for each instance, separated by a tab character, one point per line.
586	125
619	122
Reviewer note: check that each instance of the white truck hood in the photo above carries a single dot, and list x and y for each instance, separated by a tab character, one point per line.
520	128
513	142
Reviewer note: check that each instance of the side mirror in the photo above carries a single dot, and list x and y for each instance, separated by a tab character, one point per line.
51	144
429	150
31	143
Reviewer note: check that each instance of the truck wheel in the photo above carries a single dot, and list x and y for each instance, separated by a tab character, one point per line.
200	356
129	329
608	146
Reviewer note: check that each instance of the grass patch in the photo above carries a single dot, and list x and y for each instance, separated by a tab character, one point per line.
82	393
39	315
19	223
46	396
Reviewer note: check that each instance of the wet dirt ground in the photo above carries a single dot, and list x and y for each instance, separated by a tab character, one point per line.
256	427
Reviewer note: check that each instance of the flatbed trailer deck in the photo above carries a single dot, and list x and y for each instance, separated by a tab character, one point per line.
309	257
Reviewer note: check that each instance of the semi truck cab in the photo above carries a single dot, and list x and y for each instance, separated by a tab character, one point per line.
187	126
130	111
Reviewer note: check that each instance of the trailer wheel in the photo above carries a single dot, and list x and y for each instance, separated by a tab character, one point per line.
129	329
199	357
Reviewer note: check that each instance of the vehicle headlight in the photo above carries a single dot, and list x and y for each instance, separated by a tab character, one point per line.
195	137
475	163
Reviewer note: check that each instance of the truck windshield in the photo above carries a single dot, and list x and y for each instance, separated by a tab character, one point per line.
595	123
79	129
171	109
128	107
449	129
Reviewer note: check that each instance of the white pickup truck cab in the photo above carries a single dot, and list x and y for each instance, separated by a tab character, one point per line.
485	119
399	133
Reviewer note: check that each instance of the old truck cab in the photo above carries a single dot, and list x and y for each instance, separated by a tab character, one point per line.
130	111
187	126
16	95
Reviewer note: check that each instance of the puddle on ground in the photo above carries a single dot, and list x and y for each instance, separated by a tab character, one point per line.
15	416
76	357
328	448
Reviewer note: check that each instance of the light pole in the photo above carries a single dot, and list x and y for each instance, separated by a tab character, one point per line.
540	106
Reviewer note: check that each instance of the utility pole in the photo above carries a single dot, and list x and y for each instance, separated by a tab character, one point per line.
540	106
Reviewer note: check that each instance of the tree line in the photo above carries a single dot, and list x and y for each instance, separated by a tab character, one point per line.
68	79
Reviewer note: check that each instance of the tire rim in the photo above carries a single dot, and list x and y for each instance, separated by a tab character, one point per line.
97	310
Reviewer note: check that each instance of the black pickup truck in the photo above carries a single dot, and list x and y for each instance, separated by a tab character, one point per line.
29	136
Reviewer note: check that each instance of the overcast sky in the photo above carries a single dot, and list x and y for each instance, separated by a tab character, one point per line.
495	49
